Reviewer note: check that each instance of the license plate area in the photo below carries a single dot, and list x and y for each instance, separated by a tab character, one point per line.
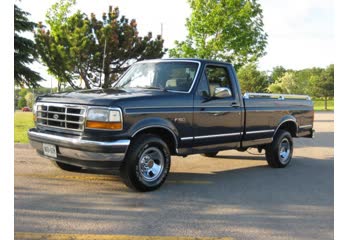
50	150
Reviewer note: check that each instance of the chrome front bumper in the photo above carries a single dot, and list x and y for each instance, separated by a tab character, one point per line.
77	151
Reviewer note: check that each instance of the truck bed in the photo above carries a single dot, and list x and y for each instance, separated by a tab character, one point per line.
265	112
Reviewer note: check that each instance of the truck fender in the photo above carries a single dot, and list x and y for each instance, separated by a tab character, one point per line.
155	122
287	119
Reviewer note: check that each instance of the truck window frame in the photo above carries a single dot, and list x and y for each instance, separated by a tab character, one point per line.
228	74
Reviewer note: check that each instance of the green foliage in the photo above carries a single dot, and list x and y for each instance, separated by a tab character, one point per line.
251	79
316	82
73	49
41	90
24	98
227	30
319	104
24	51
277	72
21	102
29	99
322	85
289	83
23	92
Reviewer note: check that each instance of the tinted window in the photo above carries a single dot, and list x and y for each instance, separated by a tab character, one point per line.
217	77
203	87
177	76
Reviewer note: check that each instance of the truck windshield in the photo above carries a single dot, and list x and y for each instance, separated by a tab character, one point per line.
173	76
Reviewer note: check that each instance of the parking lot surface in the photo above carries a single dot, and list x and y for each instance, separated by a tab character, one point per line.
233	196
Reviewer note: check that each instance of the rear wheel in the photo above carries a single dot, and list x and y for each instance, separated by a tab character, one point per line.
210	154
279	153
66	167
146	164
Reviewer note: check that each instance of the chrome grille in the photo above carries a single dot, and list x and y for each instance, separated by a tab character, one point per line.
60	116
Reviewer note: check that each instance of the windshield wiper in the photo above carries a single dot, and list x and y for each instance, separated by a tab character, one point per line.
153	87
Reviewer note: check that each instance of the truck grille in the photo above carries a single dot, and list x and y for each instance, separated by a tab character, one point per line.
60	117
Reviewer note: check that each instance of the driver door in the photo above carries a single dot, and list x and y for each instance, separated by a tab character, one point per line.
217	110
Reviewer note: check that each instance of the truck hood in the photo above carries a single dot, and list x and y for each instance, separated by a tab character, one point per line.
97	97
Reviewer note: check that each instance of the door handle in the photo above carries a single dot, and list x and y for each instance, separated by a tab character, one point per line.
234	104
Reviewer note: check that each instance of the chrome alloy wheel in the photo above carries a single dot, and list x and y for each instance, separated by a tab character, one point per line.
151	164
284	150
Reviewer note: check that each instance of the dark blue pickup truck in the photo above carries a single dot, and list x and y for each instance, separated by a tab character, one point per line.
160	108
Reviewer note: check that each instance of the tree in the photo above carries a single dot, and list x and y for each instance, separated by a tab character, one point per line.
29	97
322	85
21	102
74	46
21	98
42	90
227	30
24	51
277	72
289	83
251	79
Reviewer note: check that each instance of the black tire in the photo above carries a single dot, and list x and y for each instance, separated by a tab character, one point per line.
66	167
279	153
146	164
210	154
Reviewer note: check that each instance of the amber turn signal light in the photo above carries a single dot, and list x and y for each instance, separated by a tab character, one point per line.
104	125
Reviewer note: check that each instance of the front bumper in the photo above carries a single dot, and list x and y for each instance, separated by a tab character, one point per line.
80	152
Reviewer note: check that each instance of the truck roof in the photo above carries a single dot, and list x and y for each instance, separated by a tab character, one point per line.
203	61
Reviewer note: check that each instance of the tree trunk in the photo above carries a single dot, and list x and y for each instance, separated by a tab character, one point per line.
72	85
106	82
86	81
325	103
106	79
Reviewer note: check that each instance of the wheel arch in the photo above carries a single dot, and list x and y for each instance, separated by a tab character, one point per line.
288	123
161	127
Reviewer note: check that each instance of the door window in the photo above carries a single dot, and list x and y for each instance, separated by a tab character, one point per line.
219	82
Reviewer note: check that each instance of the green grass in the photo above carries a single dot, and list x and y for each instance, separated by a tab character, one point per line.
319	104
23	121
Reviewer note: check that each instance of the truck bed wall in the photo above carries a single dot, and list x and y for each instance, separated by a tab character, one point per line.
264	115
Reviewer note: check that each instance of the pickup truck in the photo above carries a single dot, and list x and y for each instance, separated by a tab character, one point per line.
160	108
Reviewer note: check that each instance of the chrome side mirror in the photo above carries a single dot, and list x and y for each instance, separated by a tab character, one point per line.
222	92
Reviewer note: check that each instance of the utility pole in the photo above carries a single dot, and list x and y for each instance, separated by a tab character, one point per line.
104	53
161	30
103	61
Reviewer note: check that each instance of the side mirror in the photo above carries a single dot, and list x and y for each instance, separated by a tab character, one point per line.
204	94
222	92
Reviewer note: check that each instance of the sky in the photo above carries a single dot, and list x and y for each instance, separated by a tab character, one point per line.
300	33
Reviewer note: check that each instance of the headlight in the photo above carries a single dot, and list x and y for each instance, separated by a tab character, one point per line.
101	115
100	118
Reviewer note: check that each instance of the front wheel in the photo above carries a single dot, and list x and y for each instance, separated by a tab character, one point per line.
146	164
279	153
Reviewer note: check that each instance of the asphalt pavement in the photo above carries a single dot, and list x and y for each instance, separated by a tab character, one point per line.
234	196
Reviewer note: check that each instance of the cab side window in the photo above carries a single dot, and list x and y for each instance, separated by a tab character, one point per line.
203	87
219	81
